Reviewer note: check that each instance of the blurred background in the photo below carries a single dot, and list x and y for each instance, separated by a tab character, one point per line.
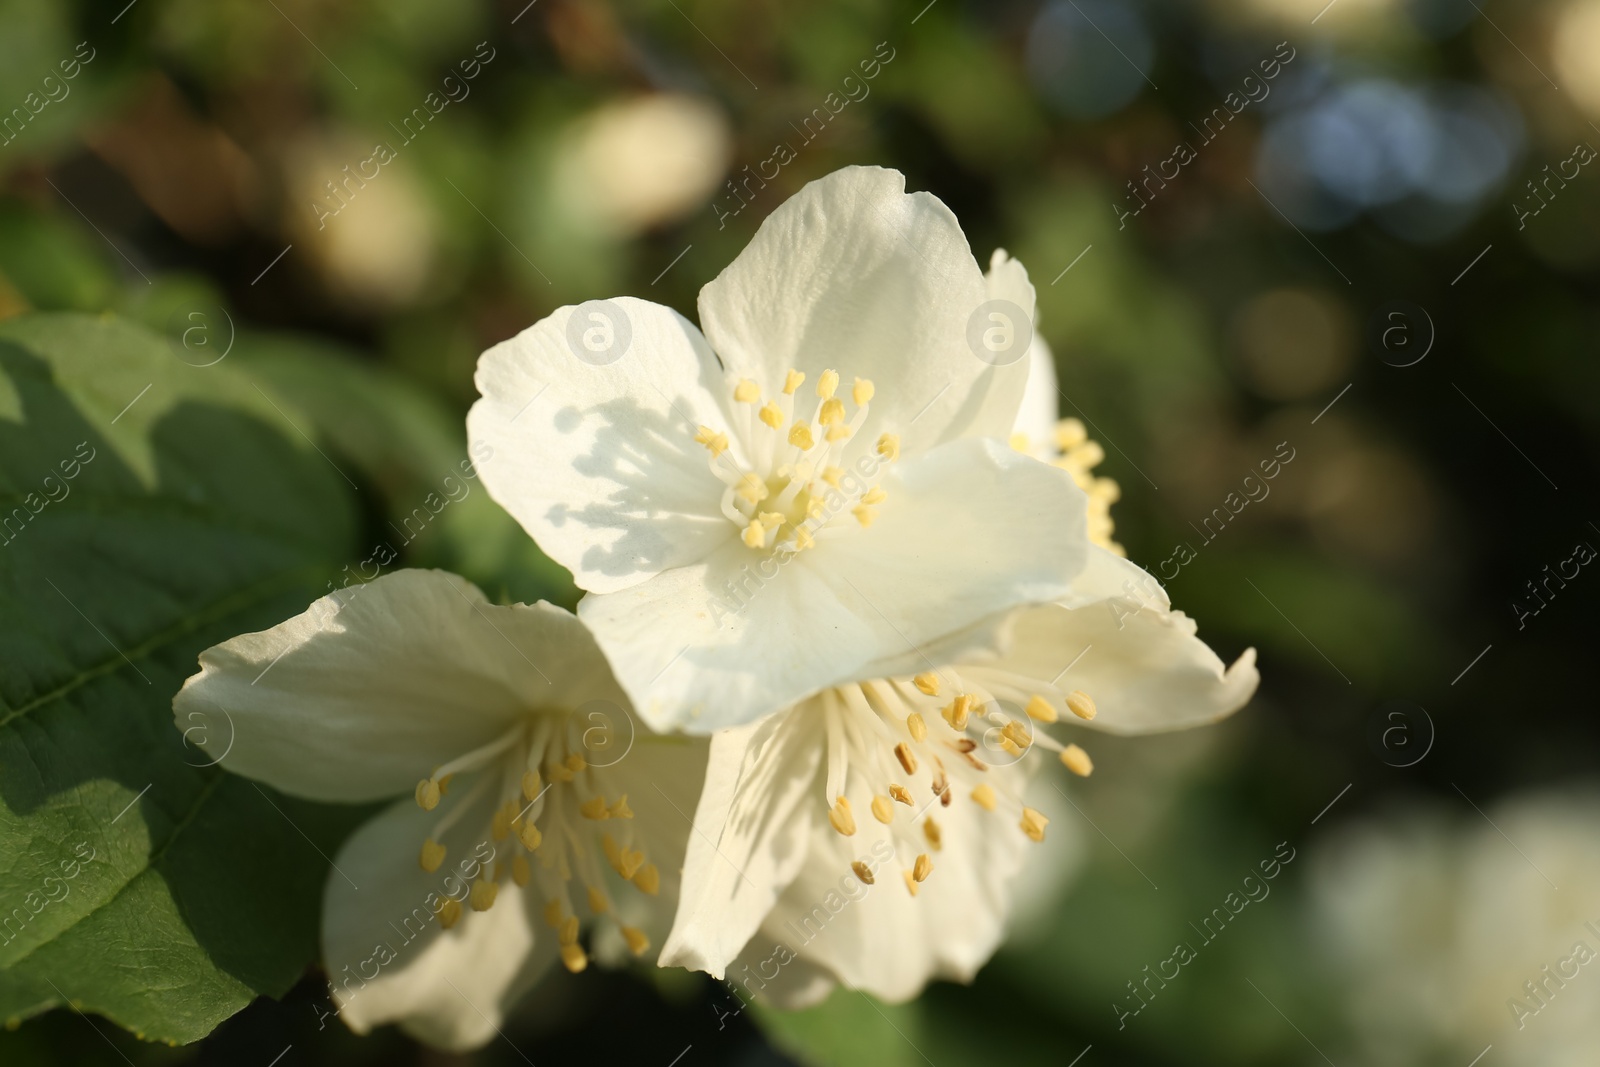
1259	229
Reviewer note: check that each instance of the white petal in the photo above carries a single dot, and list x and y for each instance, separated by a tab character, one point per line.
881	939
388	960
750	835
1025	402
597	460
852	273
364	693
1041	402
968	530
1140	661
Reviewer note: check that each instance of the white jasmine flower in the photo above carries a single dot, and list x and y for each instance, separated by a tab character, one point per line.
530	809
813	487
872	834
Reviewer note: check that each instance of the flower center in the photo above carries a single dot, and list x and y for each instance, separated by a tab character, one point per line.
792	482
562	822
911	736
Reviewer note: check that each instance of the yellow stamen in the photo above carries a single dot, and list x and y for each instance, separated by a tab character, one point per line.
755	535
771	415
747	392
1033	824
593	808
620	809
520	871
751	488
875	495
864	515
831	413
889	446
927	682
931	831
803	538
800	436
431	857
631	862
597	901
575	763
841	818
827	384
832	475
883	809
984	797
792	381
923	868
574	958
918	726
1018	442
956	712
1070	433
500	825
911	883
427	794
772	519
862	392
863	872
836	433
902	752
716	443
1080	704
483	894
638	941
444	785
1077	761
900	793
648	879
567	934
552	914
529	835
449	913
816	507
558	773
608	845
530	786
1016	733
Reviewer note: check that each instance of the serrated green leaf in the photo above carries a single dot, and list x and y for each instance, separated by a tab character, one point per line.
134	880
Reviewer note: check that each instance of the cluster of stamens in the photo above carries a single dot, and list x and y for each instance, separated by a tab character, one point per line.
553	810
915	734
1078	455
792	481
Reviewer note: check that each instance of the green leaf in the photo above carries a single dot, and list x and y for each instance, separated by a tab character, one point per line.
148	509
849	1027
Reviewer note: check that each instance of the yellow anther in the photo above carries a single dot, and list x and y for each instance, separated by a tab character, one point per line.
889	446
1009	746
832	475
862	392
771	414
931	831
923	867
772	519
984	797
427	794
755	535
956	712
841	818
1016	733
716	443
629	863
529	835
431	856
444	785
863	872
1041	709
816	507
831	412
1033	823
521	873
558	773
875	495
573	958
1080	704
552	913
575	763
747	392
902	752
483	893
800	436
792	381
803	539
500	825
620	809
911	883
883	809
648	879
927	682
828	384
608	845
751	488
597	901
638	941
449	913
1070	433
864	515
1018	442
836	433
567	933
918	726
593	808
1077	761
530	785
1089	454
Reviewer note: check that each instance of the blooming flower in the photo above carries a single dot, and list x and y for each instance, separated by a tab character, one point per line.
530	810
806	492
871	834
